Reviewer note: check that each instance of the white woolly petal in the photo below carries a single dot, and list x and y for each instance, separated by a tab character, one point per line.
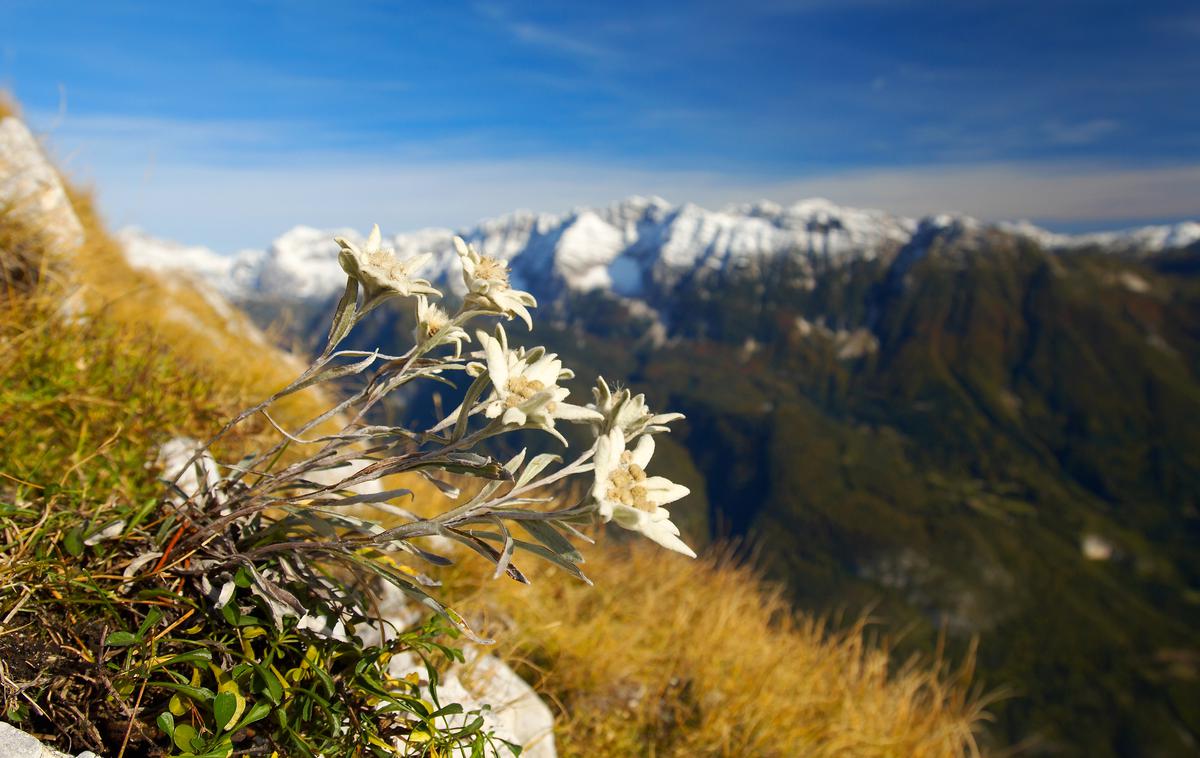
663	516
630	412
523	313
601	391
608	450
536	404
514	416
665	418
376	238
629	518
604	507
618	438
570	412
417	262
497	362
544	370
663	490
643	451
665	534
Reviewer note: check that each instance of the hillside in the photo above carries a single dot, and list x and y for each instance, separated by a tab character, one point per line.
88	395
981	429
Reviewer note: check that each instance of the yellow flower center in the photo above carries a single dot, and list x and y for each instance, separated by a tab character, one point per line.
435	319
625	484
386	261
492	270
520	390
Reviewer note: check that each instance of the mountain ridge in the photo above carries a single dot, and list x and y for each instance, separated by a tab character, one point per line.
629	248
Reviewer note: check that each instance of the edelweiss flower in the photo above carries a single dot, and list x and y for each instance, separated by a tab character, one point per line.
627	412
625	494
525	387
379	272
488	286
434	327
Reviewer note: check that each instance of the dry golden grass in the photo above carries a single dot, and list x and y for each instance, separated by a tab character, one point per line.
670	657
663	656
221	340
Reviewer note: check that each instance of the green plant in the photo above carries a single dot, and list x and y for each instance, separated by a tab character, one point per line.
239	611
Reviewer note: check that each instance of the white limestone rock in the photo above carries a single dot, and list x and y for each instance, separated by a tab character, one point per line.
517	714
30	186
17	744
174	455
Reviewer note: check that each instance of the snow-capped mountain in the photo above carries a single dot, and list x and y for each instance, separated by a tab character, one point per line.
231	275
631	248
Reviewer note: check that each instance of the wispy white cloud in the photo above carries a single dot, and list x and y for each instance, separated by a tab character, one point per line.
1080	132
546	37
1057	191
556	40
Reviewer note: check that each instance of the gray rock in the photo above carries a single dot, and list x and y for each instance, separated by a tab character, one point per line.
17	744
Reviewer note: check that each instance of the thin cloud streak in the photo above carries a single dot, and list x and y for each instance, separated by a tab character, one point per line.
531	33
232	208
1038	191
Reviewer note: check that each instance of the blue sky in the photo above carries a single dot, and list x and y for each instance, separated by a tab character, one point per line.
226	123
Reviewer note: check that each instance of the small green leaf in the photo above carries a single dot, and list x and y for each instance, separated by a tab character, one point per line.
448	710
166	722
185	737
195	656
121	639
273	688
225	709
242	578
73	541
152	618
256	713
